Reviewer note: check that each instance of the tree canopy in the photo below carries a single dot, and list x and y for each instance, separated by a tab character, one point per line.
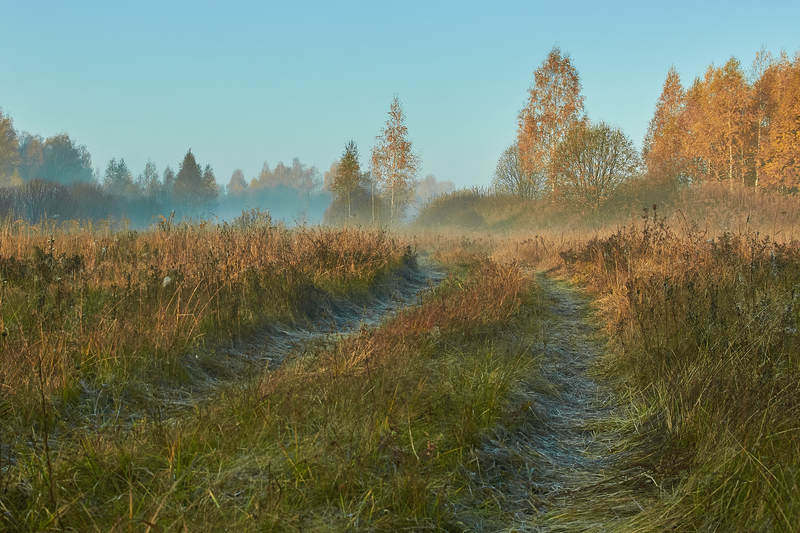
592	161
347	175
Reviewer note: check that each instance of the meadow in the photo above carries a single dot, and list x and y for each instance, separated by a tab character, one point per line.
433	415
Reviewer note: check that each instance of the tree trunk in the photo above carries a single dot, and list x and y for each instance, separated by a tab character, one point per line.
391	214
730	155
758	151
730	164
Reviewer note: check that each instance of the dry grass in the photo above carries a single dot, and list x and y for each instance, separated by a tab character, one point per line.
714	207
372	431
381	430
699	298
706	340
84	308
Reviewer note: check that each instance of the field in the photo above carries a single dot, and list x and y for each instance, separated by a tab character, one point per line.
399	267
636	375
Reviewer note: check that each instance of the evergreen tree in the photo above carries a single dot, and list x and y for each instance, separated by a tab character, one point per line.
189	181
118	180
208	186
348	175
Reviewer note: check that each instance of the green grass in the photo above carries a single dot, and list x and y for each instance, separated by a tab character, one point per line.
376	431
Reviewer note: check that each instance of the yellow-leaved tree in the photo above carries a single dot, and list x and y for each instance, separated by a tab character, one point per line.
554	106
782	154
663	149
394	164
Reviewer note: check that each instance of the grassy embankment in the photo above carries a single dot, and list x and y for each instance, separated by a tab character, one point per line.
375	430
701	310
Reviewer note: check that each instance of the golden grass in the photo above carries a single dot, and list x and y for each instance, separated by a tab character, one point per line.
371	431
705	337
700	301
379	430
713	207
89	306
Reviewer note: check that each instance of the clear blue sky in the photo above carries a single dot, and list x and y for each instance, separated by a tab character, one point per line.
245	82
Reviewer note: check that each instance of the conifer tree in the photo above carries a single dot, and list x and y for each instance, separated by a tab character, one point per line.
189	181
208	186
348	174
118	180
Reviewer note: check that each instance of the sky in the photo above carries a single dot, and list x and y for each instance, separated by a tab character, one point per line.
241	83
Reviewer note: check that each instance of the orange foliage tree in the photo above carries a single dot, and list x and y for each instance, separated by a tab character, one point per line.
761	108
554	106
663	148
782	153
715	121
728	128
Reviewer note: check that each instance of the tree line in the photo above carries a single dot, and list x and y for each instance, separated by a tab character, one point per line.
54	178
730	125
559	153
727	126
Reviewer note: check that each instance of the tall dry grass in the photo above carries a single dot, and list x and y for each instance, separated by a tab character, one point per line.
706	342
94	308
713	207
374	431
700	298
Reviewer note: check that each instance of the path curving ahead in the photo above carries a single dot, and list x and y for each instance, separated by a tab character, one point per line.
540	475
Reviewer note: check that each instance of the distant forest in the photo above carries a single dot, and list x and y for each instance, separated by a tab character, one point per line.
53	178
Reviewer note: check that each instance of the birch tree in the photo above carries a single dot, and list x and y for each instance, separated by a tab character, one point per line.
554	106
394	164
